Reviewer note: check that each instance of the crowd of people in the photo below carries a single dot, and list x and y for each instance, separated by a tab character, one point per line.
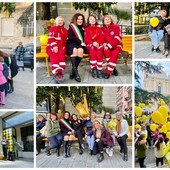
157	32
64	129
9	67
146	140
84	38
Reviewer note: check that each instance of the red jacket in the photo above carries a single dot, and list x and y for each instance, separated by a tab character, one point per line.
57	36
113	36
93	34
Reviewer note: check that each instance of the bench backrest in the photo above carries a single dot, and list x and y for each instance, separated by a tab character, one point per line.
127	43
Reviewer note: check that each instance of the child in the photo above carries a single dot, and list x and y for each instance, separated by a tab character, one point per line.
94	38
2	85
56	48
159	150
140	145
156	33
5	73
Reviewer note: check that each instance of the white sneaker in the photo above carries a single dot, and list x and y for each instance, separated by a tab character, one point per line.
107	150
111	152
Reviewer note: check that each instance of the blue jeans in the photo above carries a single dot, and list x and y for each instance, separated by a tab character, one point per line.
90	141
55	141
156	37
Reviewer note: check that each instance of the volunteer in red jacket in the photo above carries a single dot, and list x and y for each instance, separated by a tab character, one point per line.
56	48
112	45
94	40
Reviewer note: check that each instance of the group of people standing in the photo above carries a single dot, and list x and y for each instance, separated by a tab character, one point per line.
65	129
146	140
82	38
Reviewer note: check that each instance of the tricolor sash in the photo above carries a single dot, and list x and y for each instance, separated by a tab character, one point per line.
77	32
65	123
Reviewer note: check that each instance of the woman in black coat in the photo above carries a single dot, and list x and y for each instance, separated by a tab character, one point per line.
78	131
75	44
67	133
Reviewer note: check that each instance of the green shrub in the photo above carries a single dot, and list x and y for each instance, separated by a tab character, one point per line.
141	29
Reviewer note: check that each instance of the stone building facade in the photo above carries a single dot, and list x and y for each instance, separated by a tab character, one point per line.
11	32
157	82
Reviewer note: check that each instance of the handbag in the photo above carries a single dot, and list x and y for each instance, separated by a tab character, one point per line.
43	131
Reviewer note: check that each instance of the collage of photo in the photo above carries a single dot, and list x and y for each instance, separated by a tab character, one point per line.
84	84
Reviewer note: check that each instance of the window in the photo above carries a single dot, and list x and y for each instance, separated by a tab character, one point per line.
7	27
27	137
28	30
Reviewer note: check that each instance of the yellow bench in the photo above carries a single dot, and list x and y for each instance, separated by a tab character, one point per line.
44	55
130	130
127	46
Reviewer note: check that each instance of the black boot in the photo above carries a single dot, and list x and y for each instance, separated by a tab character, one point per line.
115	72
91	152
74	73
68	149
58	152
125	157
100	157
58	149
94	72
47	152
65	143
99	74
10	85
78	61
81	148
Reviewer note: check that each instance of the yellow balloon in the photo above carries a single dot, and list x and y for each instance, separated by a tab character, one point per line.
144	118
150	105
168	125
137	126
153	127
160	130
138	111
164	111
44	39
52	20
142	105
168	135
164	129
163	121
157	117
154	22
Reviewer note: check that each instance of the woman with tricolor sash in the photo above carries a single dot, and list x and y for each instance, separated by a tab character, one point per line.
67	133
75	44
